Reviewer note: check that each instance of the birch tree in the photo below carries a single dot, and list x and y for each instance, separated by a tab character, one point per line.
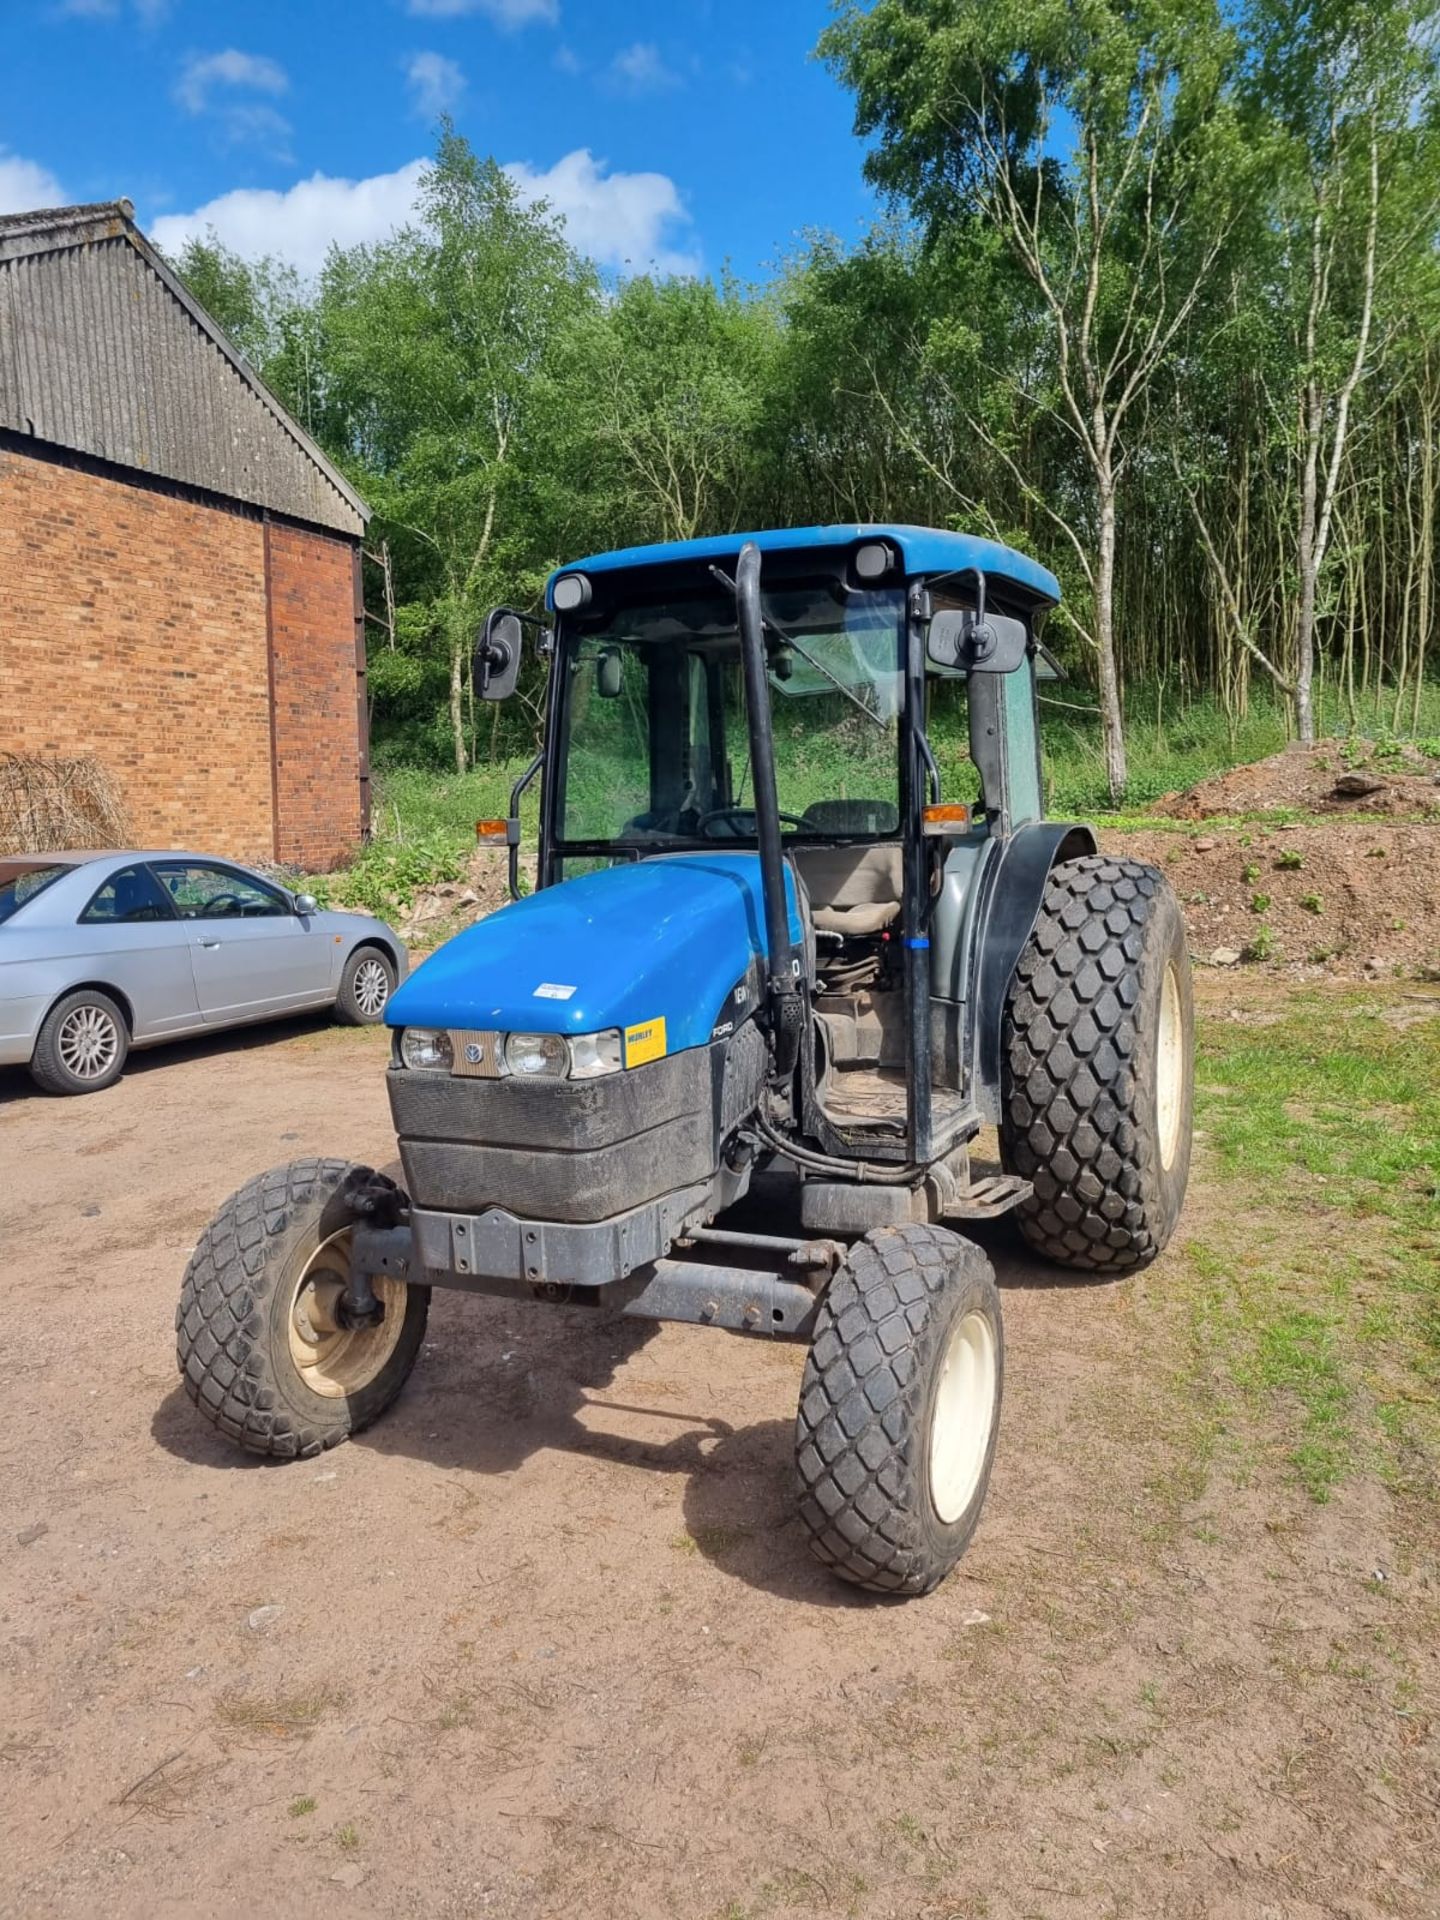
1097	138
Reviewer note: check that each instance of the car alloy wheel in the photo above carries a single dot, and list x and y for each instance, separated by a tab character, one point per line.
88	1042
371	987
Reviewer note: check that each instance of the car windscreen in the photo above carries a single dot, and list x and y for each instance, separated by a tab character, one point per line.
20	884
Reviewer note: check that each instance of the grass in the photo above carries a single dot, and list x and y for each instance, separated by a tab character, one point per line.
1314	1300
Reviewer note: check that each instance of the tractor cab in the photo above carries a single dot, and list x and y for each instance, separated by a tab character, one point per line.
800	938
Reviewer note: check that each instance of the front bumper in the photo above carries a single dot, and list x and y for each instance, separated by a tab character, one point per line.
496	1245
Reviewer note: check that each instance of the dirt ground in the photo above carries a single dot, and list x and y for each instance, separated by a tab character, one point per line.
1344	902
547	1641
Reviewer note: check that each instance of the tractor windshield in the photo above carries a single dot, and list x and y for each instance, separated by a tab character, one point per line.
654	744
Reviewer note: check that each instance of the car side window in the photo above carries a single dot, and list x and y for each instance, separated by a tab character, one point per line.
217	893
128	898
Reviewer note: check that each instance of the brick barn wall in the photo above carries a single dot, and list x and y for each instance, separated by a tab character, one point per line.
132	627
317	735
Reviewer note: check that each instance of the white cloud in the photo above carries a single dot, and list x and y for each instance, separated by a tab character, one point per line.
508	14
621	220
640	69
631	221
436	84
206	80
301	223
26	185
567	60
204	73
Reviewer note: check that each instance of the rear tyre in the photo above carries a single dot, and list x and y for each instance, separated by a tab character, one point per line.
82	1045
900	1409
366	985
258	1339
1098	1067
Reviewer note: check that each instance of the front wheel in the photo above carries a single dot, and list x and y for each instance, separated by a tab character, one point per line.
259	1338
365	988
900	1409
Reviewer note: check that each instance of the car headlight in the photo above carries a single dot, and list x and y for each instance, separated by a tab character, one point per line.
537	1055
592	1054
426	1050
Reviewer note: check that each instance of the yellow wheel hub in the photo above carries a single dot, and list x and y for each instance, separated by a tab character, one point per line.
333	1360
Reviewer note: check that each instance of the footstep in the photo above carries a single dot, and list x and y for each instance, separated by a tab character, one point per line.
263	1617
27	1536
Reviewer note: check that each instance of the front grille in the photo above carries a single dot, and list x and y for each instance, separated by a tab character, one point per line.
477	1055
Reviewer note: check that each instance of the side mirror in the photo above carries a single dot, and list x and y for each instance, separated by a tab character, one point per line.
306	903
609	671
967	642
496	663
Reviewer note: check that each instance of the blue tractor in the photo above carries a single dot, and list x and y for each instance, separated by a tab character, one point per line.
737	1058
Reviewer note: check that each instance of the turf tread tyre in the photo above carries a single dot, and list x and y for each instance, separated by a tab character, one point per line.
1078	1112
862	1434
234	1366
348	1010
49	1071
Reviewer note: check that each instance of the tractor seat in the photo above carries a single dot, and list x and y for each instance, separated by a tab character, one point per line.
853	890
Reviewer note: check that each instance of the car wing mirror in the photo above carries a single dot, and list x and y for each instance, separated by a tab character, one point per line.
306	903
496	663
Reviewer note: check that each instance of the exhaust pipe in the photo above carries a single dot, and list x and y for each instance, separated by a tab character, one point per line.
786	988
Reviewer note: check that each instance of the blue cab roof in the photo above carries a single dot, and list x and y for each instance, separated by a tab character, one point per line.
926	550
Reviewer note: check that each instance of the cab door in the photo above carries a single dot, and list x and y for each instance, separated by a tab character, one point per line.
251	954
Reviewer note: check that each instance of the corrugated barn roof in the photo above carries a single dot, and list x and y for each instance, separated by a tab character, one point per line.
104	351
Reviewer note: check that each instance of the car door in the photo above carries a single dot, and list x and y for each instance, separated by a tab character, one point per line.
250	952
128	936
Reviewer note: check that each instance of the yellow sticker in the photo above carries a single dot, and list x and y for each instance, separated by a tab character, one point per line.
645	1042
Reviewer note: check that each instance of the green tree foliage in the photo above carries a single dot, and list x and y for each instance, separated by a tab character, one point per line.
1157	300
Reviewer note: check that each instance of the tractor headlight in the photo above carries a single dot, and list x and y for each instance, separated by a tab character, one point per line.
426	1050
537	1055
592	1054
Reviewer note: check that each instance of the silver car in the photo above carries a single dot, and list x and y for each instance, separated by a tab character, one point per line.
102	952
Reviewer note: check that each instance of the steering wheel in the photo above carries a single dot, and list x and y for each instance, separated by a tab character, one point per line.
214	909
737	814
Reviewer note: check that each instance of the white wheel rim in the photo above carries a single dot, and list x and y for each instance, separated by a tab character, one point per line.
1169	1068
88	1043
372	987
964	1413
335	1361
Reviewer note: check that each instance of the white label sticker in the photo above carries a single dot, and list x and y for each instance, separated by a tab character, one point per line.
548	990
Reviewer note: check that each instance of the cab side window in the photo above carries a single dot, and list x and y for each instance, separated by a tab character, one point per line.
128	898
217	893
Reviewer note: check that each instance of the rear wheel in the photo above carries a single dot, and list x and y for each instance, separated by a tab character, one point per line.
82	1045
900	1409
365	988
260	1339
1098	1064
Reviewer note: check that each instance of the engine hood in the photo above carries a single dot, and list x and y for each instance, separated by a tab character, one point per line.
658	944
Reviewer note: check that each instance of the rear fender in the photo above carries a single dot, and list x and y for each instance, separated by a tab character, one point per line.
1009	911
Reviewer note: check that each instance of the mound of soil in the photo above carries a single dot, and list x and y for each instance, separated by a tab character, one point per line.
1352	899
1333	776
438	911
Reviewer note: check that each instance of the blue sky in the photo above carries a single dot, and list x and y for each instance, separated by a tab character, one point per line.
673	134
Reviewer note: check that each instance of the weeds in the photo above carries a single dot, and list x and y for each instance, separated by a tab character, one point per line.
1290	860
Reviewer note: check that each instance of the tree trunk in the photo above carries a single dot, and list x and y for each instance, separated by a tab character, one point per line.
457	701
1112	719
1305	623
